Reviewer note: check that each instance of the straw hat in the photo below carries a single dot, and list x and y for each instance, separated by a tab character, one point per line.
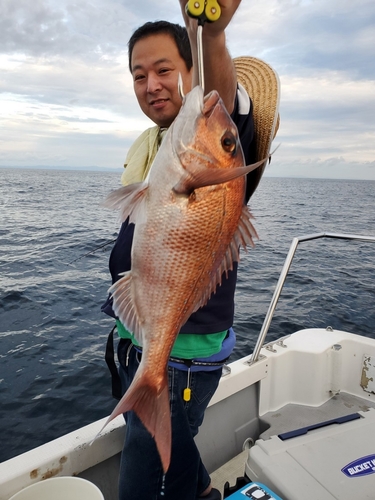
262	84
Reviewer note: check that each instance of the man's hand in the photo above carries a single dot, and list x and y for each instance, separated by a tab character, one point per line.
228	8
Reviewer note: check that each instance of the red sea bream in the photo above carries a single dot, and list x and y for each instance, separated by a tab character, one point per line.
190	220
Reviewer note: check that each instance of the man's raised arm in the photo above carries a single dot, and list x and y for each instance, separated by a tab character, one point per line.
219	71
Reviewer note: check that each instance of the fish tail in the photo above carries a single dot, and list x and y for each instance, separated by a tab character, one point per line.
150	402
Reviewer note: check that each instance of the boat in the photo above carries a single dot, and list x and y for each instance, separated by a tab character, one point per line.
292	420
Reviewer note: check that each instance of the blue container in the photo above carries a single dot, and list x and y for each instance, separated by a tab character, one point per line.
254	491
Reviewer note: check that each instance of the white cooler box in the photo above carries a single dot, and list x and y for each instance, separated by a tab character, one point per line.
334	461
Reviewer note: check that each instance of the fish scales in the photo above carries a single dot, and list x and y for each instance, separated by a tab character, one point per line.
190	220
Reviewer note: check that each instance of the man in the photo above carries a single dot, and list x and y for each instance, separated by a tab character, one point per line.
158	52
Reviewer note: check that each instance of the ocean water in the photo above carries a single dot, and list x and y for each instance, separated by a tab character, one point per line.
53	377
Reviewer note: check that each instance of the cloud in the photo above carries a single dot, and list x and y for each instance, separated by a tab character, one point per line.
30	28
331	168
64	29
306	36
325	116
67	97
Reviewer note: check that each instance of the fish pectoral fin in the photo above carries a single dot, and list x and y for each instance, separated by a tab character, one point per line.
124	307
197	176
130	201
151	403
243	236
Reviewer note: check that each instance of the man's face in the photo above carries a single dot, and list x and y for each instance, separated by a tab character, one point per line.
156	64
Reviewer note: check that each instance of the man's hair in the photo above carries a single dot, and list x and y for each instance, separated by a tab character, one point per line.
177	32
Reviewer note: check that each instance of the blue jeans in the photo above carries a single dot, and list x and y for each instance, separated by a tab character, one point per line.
141	473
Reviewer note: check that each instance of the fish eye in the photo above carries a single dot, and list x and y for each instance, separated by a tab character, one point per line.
229	143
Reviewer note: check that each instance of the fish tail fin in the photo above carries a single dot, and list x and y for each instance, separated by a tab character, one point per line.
150	401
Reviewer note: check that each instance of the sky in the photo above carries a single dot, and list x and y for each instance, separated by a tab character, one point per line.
66	94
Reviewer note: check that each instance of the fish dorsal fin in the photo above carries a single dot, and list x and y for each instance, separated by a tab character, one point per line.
129	200
243	236
124	307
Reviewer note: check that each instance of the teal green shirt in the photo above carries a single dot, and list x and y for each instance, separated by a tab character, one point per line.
187	345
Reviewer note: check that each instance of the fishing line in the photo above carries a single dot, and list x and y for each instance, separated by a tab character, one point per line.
91	251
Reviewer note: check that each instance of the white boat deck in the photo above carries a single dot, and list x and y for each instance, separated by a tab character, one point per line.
230	471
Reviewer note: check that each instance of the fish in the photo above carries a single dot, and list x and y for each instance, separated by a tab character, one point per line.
190	222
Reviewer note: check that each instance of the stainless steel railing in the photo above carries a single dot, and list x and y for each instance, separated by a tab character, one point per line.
282	278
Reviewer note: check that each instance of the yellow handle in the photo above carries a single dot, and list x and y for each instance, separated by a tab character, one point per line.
195	8
205	10
212	11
